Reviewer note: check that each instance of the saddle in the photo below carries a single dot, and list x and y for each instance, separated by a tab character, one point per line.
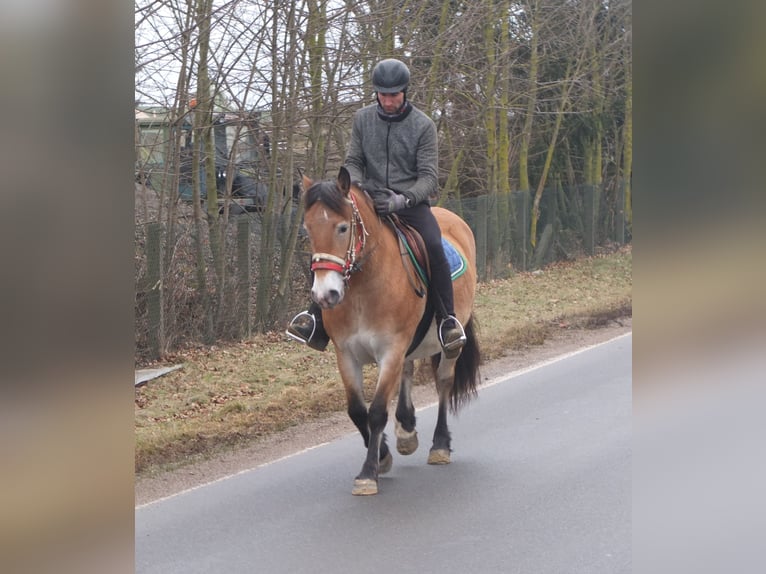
413	247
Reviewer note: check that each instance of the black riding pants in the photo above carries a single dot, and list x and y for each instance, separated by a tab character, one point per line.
422	218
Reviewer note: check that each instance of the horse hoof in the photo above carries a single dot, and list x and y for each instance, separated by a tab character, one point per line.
439	456
407	444
385	464
365	487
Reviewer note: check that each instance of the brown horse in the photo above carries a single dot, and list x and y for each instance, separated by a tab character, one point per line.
371	310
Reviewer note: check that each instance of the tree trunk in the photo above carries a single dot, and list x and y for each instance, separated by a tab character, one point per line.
288	239
566	88
435	73
627	149
526	134
268	226
503	132
205	103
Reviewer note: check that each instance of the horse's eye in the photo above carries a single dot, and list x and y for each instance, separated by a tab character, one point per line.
343	228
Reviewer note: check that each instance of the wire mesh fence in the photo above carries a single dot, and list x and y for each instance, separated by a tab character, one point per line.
187	295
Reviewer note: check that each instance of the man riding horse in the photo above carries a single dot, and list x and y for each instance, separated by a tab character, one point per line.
393	156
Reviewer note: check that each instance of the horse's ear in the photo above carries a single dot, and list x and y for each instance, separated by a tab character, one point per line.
307	183
344	180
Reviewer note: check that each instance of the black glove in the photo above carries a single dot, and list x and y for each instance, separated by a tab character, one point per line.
387	201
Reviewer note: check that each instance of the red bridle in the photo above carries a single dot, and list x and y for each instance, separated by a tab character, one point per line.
357	240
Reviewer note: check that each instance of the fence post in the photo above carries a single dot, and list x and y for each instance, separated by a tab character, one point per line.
544	245
589	219
505	230
553	208
243	279
153	289
520	234
481	237
619	224
493	245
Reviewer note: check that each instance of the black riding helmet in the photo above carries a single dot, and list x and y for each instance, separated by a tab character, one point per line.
390	76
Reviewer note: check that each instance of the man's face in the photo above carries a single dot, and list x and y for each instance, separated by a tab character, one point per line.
391	102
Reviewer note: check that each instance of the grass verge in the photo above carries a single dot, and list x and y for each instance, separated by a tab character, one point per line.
228	395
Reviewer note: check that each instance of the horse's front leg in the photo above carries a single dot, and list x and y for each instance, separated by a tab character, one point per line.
352	376
357	412
379	459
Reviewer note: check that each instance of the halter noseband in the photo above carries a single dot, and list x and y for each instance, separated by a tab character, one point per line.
358	238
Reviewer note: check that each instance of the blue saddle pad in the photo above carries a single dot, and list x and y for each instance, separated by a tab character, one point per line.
457	264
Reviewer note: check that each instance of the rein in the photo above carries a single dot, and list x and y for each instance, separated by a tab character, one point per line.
356	245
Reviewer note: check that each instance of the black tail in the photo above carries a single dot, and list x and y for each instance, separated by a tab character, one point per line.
467	376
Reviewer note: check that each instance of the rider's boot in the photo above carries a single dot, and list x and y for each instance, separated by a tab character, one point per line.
451	336
307	327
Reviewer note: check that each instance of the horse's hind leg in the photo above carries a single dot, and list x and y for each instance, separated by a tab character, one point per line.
406	435
441	449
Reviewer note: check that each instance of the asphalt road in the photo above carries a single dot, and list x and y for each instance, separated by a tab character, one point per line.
540	483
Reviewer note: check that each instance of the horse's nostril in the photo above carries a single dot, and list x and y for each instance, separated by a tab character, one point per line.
328	299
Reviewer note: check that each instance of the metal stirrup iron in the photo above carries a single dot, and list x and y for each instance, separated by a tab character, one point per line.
452	348
294	333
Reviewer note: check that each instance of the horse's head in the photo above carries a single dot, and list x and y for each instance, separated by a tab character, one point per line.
336	233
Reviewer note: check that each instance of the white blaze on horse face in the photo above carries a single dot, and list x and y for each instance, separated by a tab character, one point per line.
329	241
328	288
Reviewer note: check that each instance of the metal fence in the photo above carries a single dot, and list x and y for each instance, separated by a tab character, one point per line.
172	311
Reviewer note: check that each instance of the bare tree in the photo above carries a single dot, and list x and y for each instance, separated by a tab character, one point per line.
524	93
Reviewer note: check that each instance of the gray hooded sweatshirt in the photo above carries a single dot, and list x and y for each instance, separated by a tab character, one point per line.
399	153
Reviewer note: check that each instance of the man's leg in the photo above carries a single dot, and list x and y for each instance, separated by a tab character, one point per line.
451	334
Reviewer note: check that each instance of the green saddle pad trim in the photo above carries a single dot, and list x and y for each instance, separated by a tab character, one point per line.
455	271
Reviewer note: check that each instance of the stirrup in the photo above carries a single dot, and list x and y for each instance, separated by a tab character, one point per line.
452	348
300	332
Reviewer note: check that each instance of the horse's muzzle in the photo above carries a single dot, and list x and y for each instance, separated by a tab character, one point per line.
327	300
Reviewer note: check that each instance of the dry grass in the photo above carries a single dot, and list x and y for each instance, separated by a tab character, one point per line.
226	395
523	310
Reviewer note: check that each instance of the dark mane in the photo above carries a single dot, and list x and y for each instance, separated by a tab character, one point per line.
326	192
